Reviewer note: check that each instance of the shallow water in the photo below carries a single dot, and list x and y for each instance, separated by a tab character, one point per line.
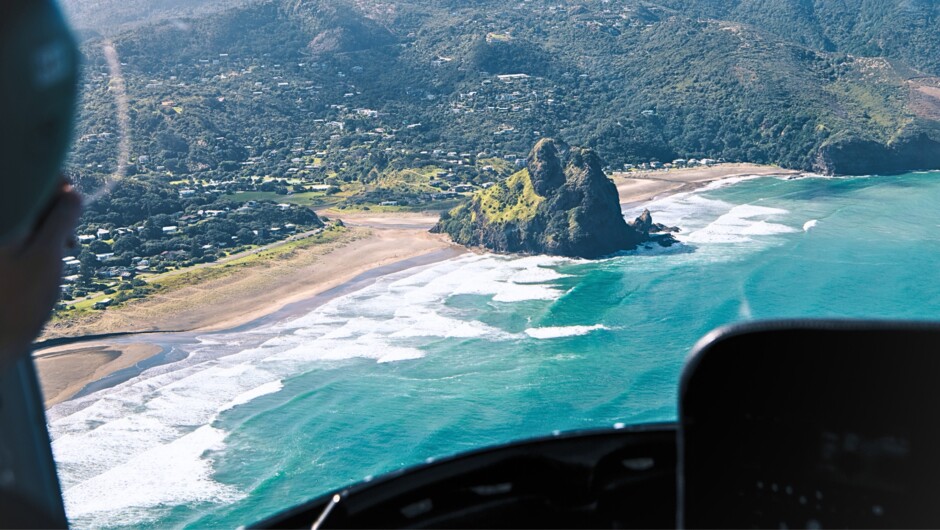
480	350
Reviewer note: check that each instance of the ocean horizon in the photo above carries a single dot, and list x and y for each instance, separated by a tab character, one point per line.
442	357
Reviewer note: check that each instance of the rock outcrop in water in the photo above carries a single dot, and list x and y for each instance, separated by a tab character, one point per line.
561	204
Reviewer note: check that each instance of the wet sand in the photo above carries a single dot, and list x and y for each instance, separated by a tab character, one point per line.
65	370
233	299
637	187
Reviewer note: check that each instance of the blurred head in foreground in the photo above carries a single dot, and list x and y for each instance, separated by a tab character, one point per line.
38	209
38	77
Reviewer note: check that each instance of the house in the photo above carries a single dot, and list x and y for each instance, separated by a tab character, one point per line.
87	238
103	304
509	78
70	263
184	193
170	229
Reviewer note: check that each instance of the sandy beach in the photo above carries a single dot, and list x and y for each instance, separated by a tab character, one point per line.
65	370
235	297
636	187
231	299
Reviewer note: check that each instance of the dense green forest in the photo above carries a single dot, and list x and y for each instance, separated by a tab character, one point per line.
240	116
898	29
367	85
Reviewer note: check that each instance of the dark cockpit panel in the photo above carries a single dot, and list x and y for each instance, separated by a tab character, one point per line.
812	424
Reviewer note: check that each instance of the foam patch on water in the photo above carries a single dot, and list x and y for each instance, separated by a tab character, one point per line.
742	224
369	346
246	397
163	476
146	444
689	211
730	181
432	324
558	332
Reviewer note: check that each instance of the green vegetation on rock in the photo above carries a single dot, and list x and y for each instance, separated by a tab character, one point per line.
561	204
515	200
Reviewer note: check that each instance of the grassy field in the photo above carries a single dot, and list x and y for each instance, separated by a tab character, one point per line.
313	199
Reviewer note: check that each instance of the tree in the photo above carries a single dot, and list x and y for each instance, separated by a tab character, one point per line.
88	264
127	244
99	247
151	230
245	236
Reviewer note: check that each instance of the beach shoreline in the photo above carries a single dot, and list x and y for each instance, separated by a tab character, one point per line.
638	187
71	356
65	370
377	244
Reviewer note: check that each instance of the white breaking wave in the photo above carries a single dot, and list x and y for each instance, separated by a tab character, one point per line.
689	211
163	476
730	181
246	397
145	445
809	225
562	331
742	224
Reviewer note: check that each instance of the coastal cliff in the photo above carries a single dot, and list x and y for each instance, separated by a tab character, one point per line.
561	204
865	157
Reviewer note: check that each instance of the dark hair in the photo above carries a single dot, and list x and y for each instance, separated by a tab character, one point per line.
10	10
38	83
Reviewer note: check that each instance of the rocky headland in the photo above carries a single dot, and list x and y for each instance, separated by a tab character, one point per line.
561	204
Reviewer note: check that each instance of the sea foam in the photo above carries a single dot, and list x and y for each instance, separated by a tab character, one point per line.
166	475
740	225
557	332
143	444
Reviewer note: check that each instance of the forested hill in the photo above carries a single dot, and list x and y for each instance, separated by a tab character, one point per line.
92	18
348	90
898	29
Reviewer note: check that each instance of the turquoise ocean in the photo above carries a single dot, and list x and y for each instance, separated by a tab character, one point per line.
483	349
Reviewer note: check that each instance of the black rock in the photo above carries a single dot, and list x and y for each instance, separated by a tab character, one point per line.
561	204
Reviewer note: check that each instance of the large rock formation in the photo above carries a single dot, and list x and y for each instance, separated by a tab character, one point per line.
866	157
561	204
